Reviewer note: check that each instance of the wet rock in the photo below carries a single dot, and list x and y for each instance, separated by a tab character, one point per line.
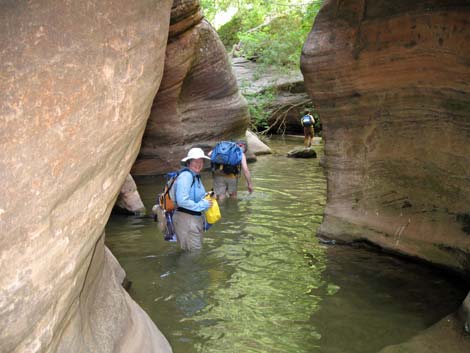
301	152
446	335
326	241
465	314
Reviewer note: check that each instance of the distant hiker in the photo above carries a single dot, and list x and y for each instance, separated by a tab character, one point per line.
307	122
228	160
188	218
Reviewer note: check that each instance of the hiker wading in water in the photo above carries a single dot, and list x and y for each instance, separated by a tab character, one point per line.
188	219
307	121
225	176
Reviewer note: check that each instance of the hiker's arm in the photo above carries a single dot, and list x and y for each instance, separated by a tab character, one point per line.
246	173
183	190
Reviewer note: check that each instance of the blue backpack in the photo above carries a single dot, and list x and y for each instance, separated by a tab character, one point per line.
167	199
306	121
167	202
227	154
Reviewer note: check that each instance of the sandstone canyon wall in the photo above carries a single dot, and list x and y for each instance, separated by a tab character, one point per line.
198	101
391	82
77	81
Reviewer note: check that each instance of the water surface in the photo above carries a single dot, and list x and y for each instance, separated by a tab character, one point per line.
263	283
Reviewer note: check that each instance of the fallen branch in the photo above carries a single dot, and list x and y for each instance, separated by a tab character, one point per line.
281	119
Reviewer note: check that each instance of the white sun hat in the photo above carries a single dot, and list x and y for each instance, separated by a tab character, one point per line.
194	153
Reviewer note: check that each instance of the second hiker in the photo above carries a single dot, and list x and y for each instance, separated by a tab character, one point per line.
228	160
307	122
188	218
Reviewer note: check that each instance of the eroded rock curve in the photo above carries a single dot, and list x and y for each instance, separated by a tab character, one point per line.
198	101
77	82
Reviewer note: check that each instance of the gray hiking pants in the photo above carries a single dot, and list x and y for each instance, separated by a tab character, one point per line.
189	230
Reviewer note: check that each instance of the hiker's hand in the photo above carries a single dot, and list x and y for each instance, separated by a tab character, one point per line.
210	203
250	188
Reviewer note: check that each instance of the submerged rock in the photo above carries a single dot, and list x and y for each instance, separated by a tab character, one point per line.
301	152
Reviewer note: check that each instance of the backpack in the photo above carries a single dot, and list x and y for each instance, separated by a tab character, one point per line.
228	156
306	121
167	199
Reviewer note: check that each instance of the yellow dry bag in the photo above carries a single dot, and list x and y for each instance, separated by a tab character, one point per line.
213	213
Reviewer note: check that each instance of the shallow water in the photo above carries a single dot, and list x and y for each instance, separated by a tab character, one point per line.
263	283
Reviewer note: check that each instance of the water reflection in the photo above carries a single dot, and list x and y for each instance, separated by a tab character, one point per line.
262	283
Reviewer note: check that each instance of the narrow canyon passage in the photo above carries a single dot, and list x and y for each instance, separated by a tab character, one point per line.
263	281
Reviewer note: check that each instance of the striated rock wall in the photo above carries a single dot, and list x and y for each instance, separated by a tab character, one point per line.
391	81
198	101
77	82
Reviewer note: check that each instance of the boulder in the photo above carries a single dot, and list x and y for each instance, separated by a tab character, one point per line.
444	336
129	201
300	152
255	145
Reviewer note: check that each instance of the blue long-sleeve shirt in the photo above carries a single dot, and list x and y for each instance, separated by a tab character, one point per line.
190	196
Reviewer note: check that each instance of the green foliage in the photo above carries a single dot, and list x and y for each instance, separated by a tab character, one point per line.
270	32
229	32
259	107
213	7
277	43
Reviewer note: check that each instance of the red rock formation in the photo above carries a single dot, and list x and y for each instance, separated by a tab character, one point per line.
391	81
77	82
198	101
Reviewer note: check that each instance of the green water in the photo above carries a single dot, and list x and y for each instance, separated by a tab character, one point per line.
263	283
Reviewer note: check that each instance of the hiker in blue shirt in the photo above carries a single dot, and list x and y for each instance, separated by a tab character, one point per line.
188	218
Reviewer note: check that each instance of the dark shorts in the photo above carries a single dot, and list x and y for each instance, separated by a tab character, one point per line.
308	131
